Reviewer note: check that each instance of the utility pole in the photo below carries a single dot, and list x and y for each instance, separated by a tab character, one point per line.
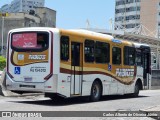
125	16
2	35
111	25
3	15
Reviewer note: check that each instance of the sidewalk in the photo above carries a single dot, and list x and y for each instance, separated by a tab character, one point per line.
154	111
3	91
153	108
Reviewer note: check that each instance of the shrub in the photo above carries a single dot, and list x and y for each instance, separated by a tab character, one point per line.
2	63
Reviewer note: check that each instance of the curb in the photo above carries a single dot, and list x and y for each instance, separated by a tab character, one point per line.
1	93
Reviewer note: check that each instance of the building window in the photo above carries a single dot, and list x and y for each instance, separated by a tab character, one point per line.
89	51
129	55
123	2
64	48
128	26
116	55
102	52
130	17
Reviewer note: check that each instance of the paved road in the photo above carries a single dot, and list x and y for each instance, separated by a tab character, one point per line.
147	98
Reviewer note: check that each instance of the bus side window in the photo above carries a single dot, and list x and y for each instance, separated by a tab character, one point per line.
102	51
64	48
116	55
89	51
129	55
138	58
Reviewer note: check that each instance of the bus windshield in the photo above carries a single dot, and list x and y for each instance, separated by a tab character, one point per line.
29	41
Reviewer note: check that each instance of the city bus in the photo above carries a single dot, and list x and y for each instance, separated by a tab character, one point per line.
72	63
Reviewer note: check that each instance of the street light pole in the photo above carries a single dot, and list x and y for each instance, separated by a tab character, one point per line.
2	35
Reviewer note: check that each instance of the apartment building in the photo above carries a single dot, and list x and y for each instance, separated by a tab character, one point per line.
143	14
22	6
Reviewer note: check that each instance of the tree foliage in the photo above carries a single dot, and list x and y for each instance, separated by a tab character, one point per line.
2	63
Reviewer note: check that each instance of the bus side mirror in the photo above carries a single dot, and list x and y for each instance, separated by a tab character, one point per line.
154	61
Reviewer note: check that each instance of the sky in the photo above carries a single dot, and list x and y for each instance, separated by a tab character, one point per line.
73	14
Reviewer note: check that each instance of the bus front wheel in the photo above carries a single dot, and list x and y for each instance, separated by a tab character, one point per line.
96	91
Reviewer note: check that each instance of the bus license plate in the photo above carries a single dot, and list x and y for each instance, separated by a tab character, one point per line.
28	79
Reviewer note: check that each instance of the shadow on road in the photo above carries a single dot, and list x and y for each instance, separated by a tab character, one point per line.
72	101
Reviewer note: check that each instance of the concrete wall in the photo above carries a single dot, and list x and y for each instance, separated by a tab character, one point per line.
16	20
44	17
8	25
155	84
48	16
155	77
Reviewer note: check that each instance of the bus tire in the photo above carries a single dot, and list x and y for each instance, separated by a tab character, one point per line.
96	91
136	90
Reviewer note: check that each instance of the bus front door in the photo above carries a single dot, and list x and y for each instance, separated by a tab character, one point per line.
76	68
146	68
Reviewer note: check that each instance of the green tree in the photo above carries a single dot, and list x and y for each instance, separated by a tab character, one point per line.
2	62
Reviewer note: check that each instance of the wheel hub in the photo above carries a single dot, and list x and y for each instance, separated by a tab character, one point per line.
95	91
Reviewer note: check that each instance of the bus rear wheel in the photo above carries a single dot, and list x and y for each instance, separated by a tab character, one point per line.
96	91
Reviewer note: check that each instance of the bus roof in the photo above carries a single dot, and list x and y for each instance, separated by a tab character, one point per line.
87	32
138	45
33	29
77	31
